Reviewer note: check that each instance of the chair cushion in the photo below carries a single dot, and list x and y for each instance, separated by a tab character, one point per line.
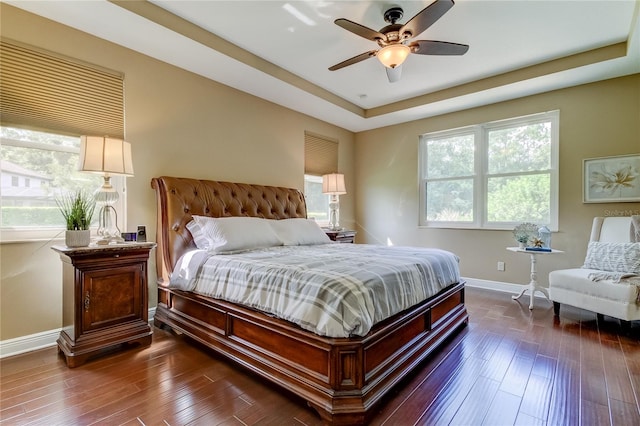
613	257
577	280
611	229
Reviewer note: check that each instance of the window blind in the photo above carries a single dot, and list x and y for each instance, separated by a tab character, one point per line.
41	89
320	155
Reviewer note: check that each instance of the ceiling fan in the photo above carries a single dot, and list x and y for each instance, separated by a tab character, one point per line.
394	39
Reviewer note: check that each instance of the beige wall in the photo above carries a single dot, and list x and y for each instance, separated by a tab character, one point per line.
596	120
178	124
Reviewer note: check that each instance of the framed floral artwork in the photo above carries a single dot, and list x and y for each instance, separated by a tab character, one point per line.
611	179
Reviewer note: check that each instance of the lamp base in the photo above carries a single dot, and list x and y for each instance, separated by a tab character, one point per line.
334	208
108	230
103	241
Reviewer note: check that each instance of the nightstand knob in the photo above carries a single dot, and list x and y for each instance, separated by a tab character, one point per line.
87	301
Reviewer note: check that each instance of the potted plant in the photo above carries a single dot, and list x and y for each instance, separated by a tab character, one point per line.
77	209
524	232
522	240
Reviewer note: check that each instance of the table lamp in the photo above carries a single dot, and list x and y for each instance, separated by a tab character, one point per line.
333	184
107	156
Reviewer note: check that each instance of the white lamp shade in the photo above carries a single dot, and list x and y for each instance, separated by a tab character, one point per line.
105	155
393	55
333	184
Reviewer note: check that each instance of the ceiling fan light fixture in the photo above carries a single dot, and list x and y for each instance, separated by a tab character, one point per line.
393	55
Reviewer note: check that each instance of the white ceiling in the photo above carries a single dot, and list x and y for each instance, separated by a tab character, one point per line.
517	48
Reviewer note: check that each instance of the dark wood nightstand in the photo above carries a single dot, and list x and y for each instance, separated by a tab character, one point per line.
341	236
104	298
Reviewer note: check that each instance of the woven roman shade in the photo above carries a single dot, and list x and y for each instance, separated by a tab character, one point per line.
43	90
320	155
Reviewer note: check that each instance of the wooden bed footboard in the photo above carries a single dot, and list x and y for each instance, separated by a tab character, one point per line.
341	378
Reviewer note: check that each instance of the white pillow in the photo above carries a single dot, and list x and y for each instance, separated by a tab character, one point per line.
299	231
613	257
229	234
198	236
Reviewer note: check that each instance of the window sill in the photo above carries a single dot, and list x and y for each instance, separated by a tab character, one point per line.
20	236
471	228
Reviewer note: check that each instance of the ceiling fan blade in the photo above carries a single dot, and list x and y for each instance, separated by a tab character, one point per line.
426	17
354	60
393	74
430	47
360	30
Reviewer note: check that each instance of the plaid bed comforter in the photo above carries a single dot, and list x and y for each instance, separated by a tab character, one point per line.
335	290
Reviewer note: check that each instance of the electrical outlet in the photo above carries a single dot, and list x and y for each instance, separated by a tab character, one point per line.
501	266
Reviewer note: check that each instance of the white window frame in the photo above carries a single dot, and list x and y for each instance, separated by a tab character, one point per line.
481	175
40	233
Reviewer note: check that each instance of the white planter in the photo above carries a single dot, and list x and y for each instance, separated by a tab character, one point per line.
77	238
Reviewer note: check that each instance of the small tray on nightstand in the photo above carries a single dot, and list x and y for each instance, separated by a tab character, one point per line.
341	236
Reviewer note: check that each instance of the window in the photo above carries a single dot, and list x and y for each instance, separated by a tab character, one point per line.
58	96
30	211
320	158
317	202
493	175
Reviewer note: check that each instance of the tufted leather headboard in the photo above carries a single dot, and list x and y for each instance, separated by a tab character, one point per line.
179	198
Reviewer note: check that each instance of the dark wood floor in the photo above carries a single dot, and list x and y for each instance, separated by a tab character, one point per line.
509	366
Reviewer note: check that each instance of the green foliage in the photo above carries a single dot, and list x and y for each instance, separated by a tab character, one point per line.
515	180
317	202
53	156
516	198
450	200
519	149
451	157
77	209
17	216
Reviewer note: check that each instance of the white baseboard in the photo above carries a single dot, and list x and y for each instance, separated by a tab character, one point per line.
493	285
496	285
28	343
33	342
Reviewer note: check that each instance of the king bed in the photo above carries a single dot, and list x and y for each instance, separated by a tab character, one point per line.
342	352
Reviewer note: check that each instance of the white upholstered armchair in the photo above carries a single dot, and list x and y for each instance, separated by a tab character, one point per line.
609	281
